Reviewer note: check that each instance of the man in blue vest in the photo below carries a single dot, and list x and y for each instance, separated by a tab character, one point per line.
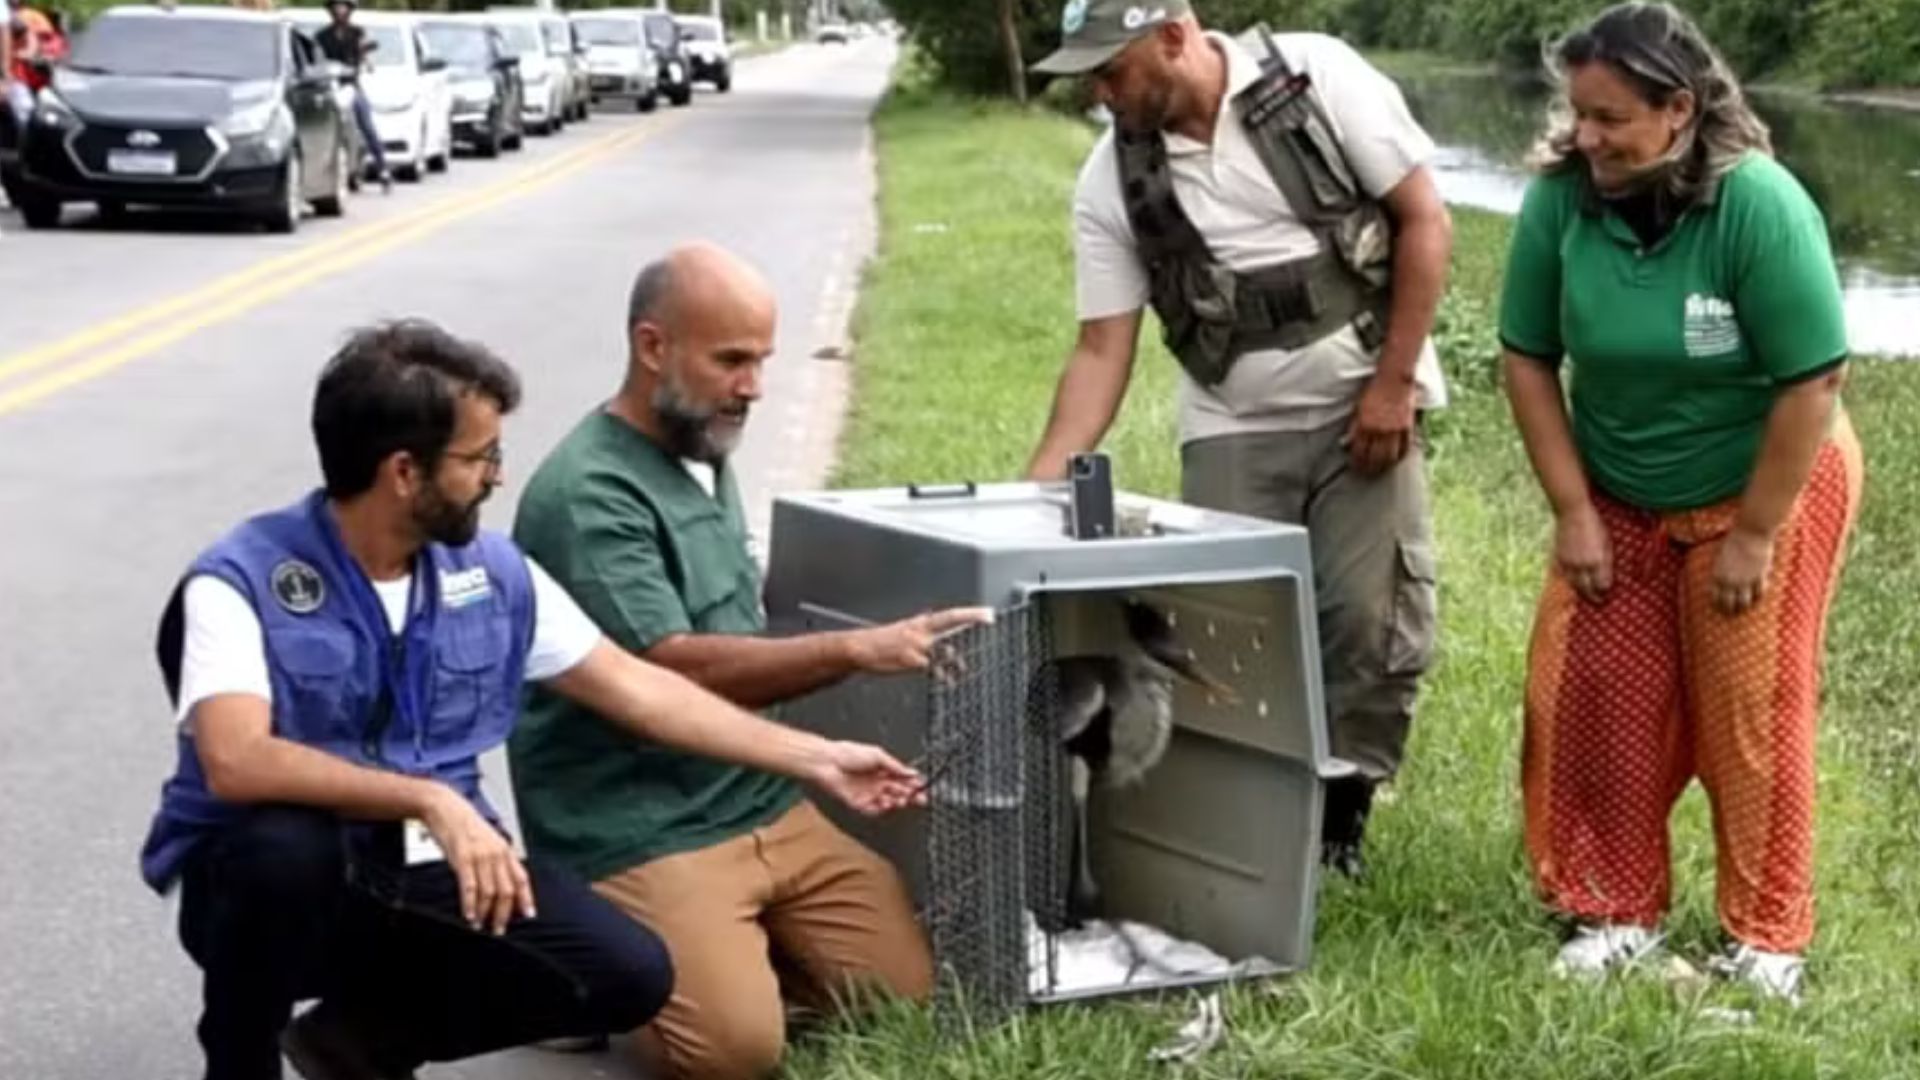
338	667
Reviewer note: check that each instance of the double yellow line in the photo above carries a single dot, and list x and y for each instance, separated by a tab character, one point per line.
29	376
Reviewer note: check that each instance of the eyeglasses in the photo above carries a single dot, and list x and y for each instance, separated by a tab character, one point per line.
492	457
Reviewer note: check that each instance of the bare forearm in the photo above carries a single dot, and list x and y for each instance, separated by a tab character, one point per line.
1089	395
662	706
1796	428
755	672
1421	252
1533	392
1084	406
267	769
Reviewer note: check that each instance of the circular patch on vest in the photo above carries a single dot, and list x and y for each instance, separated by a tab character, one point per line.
1074	17
298	587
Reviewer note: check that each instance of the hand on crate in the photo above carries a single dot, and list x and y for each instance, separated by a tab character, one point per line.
867	778
910	644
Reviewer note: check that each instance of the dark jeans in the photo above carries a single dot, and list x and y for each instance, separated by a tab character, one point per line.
291	904
363	118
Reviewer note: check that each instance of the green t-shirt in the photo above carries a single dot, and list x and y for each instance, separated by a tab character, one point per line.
1679	350
629	533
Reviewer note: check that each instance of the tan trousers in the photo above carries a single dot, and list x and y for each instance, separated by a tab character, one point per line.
797	906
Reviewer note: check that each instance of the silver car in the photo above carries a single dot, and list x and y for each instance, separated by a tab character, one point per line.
620	63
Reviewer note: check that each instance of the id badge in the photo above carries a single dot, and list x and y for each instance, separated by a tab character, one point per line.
422	848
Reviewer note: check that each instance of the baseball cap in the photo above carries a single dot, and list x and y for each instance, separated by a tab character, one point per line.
1093	32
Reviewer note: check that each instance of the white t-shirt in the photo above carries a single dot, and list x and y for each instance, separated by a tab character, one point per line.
1231	198
223	652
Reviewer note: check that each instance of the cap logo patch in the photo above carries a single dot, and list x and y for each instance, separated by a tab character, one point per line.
1074	17
1137	17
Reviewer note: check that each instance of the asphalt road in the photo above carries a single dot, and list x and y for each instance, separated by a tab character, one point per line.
154	386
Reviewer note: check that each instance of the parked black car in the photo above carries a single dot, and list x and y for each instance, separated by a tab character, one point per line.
676	67
202	107
484	75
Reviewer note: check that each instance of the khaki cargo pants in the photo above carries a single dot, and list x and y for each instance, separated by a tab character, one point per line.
1373	569
795	910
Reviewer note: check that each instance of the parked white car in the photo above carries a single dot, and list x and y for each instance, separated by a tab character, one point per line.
620	63
407	87
543	77
707	50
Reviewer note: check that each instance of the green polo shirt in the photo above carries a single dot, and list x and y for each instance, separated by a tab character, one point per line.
625	529
1678	351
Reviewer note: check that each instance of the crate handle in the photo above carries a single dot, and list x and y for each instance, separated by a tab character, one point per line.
943	491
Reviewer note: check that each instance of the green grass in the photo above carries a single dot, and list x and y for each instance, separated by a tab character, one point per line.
1436	968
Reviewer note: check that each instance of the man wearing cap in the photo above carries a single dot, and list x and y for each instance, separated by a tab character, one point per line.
1269	198
345	43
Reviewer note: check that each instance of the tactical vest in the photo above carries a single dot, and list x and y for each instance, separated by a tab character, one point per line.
426	702
1211	315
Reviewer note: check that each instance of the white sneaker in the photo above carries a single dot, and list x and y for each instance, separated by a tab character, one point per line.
1595	951
1773	975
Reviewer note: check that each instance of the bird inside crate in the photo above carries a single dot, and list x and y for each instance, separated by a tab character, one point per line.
1111	687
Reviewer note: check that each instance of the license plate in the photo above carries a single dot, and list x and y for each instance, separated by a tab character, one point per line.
142	162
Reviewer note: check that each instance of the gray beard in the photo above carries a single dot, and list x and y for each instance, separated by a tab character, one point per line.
687	427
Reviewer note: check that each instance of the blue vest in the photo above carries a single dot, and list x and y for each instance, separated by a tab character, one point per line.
425	702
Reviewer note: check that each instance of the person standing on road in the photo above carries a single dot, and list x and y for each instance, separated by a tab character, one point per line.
345	43
1297	289
638	515
1703	478
337	668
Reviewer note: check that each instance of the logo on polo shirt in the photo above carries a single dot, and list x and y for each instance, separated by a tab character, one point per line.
464	588
1711	328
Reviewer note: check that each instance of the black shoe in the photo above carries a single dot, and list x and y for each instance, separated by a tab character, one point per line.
1343	825
322	1047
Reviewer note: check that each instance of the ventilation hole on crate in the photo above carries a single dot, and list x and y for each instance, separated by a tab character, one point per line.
1262	708
1212	630
1259	642
1173	618
1233	663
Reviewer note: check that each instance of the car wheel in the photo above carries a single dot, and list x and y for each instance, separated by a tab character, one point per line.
438	162
40	211
495	142
648	101
682	96
724	83
515	141
284	215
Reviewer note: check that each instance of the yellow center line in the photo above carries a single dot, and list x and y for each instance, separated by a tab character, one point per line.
258	282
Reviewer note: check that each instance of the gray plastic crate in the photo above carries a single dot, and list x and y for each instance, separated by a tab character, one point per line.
1218	845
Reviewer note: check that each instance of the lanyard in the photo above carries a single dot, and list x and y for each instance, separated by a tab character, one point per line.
405	657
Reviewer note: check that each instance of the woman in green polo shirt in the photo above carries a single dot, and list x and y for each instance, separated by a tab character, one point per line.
1703	479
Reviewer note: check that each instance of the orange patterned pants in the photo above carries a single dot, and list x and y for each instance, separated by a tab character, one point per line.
1629	699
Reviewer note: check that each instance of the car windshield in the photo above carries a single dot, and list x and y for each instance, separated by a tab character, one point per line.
699	31
660	33
604	31
522	38
463	46
556	35
179	46
389	47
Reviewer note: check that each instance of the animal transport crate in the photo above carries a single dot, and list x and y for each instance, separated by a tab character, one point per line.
1217	845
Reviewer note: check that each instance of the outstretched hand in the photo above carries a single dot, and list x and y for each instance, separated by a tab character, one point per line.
868	779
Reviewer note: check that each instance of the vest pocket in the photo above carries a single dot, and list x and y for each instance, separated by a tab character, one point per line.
467	676
315	666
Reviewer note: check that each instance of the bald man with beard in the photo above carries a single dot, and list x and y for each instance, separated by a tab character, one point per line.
637	514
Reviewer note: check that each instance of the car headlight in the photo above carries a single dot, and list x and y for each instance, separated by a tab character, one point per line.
49	110
250	120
